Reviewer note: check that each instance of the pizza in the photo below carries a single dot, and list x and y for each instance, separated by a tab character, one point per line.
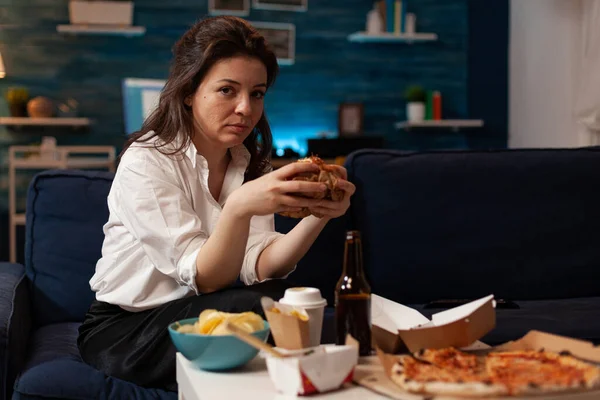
452	372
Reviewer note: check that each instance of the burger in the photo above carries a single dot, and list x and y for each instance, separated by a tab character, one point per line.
326	174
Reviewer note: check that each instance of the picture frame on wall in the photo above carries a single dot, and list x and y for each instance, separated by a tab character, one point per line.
281	5
350	119
282	39
240	8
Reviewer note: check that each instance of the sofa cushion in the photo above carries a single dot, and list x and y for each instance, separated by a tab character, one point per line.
15	324
55	371
66	211
521	224
576	318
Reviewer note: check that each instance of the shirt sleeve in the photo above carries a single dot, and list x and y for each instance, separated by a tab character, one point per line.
262	234
154	208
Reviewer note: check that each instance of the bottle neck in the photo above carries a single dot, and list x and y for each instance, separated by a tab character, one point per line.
353	258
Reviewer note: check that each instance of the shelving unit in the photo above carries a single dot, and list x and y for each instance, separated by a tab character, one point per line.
65	157
388	37
102	30
454	124
28	121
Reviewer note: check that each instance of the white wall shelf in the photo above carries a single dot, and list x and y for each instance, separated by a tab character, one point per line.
116	30
454	124
388	37
27	121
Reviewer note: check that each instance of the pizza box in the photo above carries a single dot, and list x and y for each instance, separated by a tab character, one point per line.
374	373
396	328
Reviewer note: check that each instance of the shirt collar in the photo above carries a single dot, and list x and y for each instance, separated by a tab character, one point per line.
240	155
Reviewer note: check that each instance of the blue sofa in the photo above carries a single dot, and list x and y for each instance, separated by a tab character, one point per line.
522	224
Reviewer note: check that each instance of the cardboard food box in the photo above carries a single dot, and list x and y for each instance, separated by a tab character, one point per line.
375	374
289	325
397	328
325	369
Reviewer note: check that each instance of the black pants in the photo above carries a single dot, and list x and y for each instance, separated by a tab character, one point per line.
136	346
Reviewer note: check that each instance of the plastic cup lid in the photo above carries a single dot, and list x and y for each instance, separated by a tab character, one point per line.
303	297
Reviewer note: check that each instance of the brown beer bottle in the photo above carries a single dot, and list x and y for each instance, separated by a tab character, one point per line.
353	297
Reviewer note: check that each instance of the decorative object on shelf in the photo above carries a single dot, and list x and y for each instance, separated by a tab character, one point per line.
282	39
240	8
68	109
350	119
101	12
374	24
436	105
398	26
281	5
415	97
17	98
40	107
2	69
48	149
410	24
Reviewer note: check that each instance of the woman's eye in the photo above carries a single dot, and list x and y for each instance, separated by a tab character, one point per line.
258	94
226	90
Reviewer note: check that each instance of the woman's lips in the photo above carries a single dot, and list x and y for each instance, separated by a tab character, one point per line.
238	128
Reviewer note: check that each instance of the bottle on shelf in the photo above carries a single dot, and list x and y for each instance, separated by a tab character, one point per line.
353	297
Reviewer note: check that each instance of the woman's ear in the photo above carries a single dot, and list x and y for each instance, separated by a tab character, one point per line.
188	101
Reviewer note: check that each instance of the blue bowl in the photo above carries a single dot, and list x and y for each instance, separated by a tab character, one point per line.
214	353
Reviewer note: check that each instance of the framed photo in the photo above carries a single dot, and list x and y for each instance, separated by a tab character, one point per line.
282	5
281	38
239	8
350	119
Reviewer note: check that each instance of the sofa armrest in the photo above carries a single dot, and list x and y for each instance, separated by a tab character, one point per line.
15	324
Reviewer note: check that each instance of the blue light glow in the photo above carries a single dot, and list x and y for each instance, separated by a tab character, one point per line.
296	138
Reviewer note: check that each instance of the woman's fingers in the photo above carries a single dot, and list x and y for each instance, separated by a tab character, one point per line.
295	168
302	187
299	201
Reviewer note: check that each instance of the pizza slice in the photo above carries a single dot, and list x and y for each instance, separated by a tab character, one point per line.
445	372
537	372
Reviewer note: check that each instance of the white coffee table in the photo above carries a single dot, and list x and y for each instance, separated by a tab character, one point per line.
252	382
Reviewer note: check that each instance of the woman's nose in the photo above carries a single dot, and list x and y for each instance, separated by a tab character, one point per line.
244	107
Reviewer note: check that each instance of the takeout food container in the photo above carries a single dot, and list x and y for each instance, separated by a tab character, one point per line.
376	376
325	369
289	331
397	328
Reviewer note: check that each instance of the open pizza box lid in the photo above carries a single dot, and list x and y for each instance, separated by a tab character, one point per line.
376	376
397	328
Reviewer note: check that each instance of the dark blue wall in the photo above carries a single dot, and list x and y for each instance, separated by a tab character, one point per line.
328	68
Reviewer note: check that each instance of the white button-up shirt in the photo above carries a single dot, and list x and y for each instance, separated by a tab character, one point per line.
161	213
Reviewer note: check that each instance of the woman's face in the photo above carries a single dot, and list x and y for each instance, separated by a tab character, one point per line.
229	101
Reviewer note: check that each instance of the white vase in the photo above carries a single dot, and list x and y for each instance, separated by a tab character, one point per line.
415	112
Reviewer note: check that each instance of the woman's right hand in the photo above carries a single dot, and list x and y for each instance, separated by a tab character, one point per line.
274	192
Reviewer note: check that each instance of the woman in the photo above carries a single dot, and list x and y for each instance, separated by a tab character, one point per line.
191	207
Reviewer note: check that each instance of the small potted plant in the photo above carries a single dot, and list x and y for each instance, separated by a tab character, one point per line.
101	12
416	97
17	98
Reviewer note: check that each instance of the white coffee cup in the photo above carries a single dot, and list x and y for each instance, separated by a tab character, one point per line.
310	300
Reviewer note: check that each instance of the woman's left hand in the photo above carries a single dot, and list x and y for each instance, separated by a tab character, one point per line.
333	209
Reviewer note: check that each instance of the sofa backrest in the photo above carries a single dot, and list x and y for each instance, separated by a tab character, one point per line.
66	211
522	224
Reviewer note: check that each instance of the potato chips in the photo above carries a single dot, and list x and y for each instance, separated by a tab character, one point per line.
211	322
